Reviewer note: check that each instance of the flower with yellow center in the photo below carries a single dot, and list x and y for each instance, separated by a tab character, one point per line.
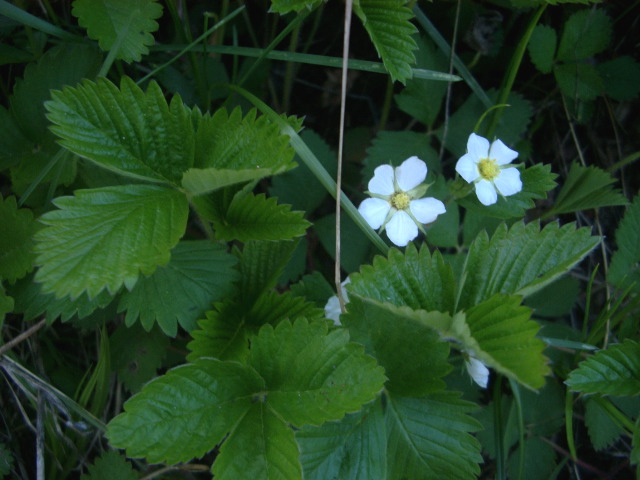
396	205
487	167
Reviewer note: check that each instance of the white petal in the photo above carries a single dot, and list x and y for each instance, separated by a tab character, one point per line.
478	371
477	147
508	182
411	173
467	167
426	209
382	181
486	192
332	310
401	229
374	211
501	153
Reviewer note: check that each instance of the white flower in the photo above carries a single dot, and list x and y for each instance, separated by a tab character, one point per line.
332	309
396	204
478	370
487	167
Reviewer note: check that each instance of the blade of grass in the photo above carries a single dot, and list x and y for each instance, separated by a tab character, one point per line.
25	18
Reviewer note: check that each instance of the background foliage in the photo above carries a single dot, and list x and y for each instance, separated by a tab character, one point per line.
167	241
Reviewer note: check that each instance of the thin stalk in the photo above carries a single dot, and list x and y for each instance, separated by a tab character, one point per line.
568	419
386	105
515	388
447	101
498	435
14	13
290	69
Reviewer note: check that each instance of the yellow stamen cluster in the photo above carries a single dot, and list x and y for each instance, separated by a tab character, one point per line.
488	168
400	200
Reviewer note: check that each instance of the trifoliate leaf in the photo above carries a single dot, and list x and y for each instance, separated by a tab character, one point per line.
536	182
261	446
624	270
199	274
32	302
125	25
228	329
286	6
387	23
105	237
16	240
413	354
127	130
255	217
521	260
233	149
353	448
579	81
299	187
585	34
136	355
614	371
506	339
429	438
621	78
313	376
402	279
542	47
186	412
422	98
394	147
109	466
586	188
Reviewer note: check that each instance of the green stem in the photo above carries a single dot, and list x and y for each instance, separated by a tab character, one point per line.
512	71
515	388
312	162
497	428
568	419
11	11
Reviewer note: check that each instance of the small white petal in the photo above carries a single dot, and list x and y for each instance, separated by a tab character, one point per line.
411	173
478	371
508	182
401	229
332	310
374	211
486	192
501	153
426	210
478	147
382	181
467	167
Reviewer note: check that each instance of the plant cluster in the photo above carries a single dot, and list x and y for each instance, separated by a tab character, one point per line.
169	229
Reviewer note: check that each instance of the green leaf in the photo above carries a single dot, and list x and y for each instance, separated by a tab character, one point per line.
137	355
313	376
621	78
16	241
109	466
286	6
261	446
614	371
387	23
586	188
623	270
394	147
256	217
6	460
126	130
413	354
603	432
231	149
586	33
401	278
229	328
429	438
580	81
354	252
506	339
186	412
542	47
299	187
353	448
122	24
105	237
421	98
199	274
521	260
